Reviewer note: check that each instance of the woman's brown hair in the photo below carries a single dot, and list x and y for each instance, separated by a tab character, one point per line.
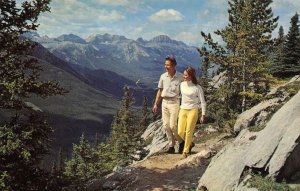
192	74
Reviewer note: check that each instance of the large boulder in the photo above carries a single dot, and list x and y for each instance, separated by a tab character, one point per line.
278	143
274	150
155	134
225	169
260	114
257	115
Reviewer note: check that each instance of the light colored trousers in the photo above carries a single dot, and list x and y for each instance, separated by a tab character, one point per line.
170	109
186	126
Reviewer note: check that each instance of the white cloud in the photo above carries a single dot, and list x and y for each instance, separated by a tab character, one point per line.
279	4
189	37
97	30
166	15
74	11
73	16
130	5
111	2
206	12
137	31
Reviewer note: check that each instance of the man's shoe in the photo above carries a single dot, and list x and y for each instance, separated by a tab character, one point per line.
181	147
170	150
192	145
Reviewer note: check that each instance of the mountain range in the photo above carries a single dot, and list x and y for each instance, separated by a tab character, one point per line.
137	60
95	70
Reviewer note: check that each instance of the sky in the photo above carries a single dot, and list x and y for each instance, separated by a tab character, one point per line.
179	19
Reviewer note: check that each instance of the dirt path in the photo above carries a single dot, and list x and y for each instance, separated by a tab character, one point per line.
163	172
159	173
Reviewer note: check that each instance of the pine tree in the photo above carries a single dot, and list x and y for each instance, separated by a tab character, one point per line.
24	132
276	67
245	56
61	160
97	139
291	57
81	166
125	134
87	163
145	118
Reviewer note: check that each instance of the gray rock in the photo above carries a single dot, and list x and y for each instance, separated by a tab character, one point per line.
210	130
110	185
156	132
257	115
218	80
275	150
286	160
278	139
94	185
194	160
225	169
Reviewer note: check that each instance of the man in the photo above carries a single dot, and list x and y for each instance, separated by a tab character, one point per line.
169	91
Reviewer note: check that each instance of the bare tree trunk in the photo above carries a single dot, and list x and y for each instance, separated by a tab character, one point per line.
244	84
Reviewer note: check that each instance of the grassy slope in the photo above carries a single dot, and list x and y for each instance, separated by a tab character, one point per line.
83	109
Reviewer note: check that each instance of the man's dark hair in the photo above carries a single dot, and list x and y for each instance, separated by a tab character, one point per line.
172	60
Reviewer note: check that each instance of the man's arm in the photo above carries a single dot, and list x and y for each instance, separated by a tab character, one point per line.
157	100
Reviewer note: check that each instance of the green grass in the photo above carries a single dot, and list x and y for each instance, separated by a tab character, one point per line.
256	128
267	184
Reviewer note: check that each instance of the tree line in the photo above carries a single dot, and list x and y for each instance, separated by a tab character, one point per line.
286	53
249	61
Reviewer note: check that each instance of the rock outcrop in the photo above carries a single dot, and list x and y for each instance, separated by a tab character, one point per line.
155	134
257	115
274	150
260	114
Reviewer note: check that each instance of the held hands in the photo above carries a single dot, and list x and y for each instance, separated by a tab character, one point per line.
202	120
155	108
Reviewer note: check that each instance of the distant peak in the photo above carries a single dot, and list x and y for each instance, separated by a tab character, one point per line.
166	39
140	40
105	38
71	38
161	38
31	35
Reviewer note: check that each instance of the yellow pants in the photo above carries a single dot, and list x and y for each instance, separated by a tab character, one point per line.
186	126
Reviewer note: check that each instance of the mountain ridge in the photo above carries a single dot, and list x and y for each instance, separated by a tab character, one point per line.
133	59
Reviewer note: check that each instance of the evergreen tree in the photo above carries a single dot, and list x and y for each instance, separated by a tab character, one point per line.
81	166
105	163
24	131
245	55
145	118
97	140
291	57
277	66
87	163
61	163
125	135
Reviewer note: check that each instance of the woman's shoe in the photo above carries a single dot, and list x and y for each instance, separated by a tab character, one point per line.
181	147
170	150
184	155
191	146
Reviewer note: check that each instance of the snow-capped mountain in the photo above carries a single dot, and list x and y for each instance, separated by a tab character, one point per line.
134	59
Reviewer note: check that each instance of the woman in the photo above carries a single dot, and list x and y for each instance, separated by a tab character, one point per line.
192	96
